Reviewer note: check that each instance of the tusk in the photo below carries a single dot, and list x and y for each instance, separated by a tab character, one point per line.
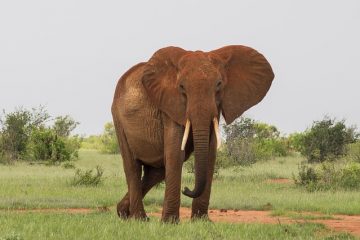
217	132
186	134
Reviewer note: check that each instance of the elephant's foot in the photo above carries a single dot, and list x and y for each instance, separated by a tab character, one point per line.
200	215
174	219
139	215
204	217
123	209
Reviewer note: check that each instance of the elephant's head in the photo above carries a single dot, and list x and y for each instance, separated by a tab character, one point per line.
192	88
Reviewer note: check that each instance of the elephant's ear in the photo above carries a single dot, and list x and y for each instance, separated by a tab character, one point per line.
160	81
248	78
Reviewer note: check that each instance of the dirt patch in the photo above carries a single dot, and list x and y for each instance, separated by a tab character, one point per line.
342	223
279	180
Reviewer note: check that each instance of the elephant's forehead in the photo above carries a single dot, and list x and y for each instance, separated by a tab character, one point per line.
200	68
200	71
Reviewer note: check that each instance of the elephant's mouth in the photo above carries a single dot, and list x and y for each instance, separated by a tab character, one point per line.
187	131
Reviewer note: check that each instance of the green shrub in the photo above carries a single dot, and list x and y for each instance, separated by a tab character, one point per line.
189	167
26	135
46	145
68	165
354	151
295	141
306	175
15	129
88	177
248	141
327	140
64	125
329	176
41	145
350	176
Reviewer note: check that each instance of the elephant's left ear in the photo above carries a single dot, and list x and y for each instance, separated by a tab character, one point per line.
248	78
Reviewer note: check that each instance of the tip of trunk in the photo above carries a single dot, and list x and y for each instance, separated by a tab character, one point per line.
199	189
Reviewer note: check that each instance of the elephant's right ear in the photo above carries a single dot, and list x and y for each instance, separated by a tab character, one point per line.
160	81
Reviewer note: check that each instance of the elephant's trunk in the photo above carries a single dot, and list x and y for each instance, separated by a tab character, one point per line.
201	151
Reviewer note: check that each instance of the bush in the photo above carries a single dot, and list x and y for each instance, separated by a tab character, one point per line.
16	129
295	142
248	141
329	176
68	165
327	140
87	178
64	125
25	135
190	168
354	151
46	144
350	176
306	176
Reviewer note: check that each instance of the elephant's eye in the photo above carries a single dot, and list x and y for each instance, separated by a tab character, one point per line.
218	85
182	88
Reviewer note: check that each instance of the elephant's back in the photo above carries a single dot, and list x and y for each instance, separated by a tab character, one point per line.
130	95
139	118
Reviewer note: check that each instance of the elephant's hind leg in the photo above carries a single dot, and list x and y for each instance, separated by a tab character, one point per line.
132	169
152	176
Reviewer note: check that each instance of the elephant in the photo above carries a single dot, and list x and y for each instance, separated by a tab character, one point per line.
169	107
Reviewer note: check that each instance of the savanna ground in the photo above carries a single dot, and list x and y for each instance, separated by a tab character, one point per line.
288	211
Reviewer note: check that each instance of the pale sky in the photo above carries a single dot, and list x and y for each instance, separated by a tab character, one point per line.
68	55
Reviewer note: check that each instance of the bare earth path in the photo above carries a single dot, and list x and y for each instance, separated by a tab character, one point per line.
342	223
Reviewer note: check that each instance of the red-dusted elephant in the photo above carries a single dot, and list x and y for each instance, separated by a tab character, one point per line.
169	107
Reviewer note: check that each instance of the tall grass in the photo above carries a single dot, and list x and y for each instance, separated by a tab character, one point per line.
39	186
108	226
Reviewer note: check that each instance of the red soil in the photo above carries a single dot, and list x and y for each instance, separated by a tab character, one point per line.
343	223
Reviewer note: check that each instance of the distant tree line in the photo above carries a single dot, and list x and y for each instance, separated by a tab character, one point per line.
248	141
105	142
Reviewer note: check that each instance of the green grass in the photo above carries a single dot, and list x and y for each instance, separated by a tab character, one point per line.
39	186
302	216
108	226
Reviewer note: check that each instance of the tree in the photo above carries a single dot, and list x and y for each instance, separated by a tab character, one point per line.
248	141
64	125
327	140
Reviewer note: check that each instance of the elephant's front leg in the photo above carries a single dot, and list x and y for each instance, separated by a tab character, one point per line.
200	205
174	158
